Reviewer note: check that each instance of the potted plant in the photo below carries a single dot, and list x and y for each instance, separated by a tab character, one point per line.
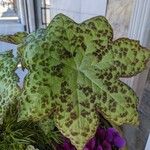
72	89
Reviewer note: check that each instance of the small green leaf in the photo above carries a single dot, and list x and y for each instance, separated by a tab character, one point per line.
74	72
17	38
36	96
28	43
8	81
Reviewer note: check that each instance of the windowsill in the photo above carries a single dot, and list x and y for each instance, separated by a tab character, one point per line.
4	20
10	27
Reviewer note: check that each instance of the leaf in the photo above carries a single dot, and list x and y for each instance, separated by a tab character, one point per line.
17	135
36	95
47	125
8	81
74	72
17	38
30	147
14	135
29	43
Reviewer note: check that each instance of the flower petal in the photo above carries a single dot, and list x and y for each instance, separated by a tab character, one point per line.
119	142
110	134
91	144
99	147
101	134
106	145
66	146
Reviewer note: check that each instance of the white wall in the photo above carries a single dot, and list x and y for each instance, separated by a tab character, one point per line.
79	10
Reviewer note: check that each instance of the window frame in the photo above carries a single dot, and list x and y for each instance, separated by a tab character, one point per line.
26	21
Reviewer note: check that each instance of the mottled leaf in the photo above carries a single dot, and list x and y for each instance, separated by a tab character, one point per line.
17	38
36	93
74	72
8	81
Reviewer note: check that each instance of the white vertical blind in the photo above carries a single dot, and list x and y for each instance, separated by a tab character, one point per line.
140	30
148	144
79	10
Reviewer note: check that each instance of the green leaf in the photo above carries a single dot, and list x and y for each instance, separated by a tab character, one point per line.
14	135
17	135
8	81
47	125
36	94
74	72
30	147
29	43
17	38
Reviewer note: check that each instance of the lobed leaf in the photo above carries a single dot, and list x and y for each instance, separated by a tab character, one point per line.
17	38
8	81
74	72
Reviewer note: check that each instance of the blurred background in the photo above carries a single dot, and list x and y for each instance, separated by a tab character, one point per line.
129	18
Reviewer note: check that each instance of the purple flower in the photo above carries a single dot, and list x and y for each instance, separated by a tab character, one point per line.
110	134
104	139
114	138
66	145
100	134
106	145
99	147
91	144
119	141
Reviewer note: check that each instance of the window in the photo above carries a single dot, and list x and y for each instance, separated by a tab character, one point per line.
8	9
10	17
78	10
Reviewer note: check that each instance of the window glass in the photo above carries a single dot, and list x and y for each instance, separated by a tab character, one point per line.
79	10
8	9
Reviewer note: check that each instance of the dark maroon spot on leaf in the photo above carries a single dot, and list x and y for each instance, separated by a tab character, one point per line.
57	70
73	115
69	123
84	113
